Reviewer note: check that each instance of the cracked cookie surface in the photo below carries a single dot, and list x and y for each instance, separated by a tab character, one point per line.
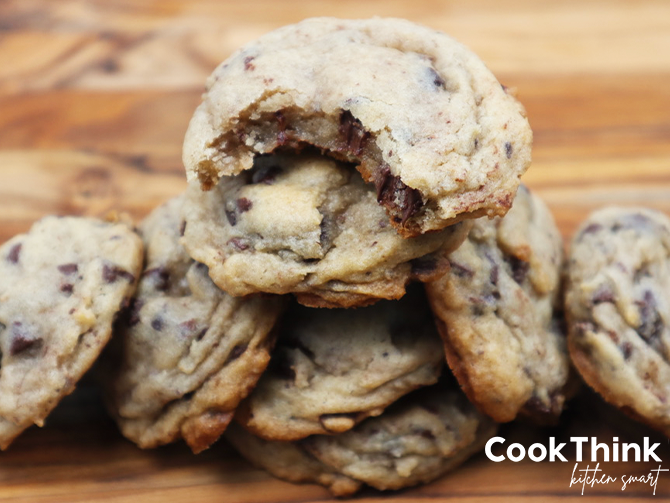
618	311
188	352
333	368
61	286
418	439
307	224
420	115
498	311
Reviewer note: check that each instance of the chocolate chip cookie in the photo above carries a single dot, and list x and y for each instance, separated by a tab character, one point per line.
187	352
420	115
61	286
307	224
498	311
420	438
618	309
333	368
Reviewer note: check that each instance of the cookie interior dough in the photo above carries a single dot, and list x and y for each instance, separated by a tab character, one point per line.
420	115
332	368
618	310
187	353
498	311
61	286
307	224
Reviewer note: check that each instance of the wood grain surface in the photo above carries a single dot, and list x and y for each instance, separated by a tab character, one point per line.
95	97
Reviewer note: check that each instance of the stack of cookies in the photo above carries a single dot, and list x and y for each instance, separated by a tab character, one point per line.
353	220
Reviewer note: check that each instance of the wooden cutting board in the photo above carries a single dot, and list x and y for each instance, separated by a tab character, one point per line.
95	97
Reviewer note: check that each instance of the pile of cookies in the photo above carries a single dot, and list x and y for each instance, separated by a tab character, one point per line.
353	222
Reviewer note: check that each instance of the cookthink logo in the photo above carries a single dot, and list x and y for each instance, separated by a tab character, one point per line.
599	452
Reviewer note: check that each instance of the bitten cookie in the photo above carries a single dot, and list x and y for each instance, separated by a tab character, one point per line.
61	286
309	225
418	439
333	368
187	353
618	310
498	311
419	114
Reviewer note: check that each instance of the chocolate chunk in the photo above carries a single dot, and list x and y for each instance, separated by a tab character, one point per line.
266	174
627	350
14	253
68	269
239	243
651	323
67	288
134	312
201	334
112	273
438	81
519	268
244	204
508	150
159	276
157	324
461	270
352	133
424	266
231	216
22	339
395	195
237	351
602	294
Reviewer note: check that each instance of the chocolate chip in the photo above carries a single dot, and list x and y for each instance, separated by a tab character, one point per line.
232	217
508	150
23	339
438	81
461	270
244	204
592	229
248	65
188	327
201	334
239	243
651	323
602	294
14	253
395	195
67	288
68	269
535	405
237	351
627	350
111	273
134	312
182	228
424	266
160	278
352	133
519	268
266	174
157	324
494	272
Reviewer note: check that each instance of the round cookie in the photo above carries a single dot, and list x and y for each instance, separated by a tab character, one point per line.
61	286
420	438
289	461
420	115
332	368
618	310
307	224
187	353
498	311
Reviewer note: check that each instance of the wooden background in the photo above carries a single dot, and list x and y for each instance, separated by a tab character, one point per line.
95	96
